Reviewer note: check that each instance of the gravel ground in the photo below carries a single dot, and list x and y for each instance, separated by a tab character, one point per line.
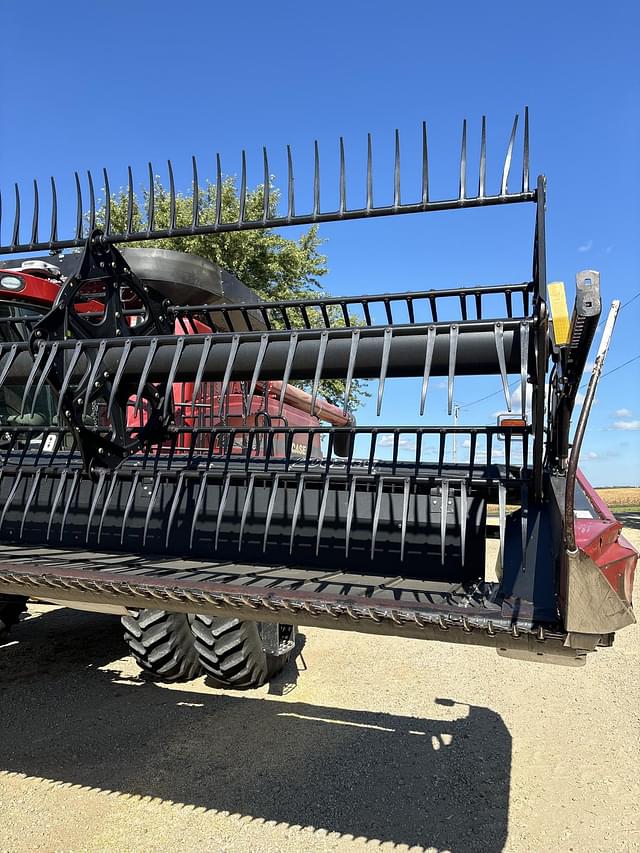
362	744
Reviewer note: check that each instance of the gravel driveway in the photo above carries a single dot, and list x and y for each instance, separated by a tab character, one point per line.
363	744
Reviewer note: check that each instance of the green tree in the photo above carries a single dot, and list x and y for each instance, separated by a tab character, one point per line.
272	265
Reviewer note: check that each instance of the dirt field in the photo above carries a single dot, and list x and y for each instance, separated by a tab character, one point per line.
366	744
620	497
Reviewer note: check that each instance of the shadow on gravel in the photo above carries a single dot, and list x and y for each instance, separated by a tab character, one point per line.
440	783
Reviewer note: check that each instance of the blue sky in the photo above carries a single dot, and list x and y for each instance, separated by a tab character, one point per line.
111	84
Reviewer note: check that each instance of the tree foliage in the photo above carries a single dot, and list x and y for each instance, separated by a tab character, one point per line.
271	265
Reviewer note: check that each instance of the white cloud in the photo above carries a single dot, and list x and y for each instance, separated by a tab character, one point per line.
592	455
626	425
586	247
403	443
622	413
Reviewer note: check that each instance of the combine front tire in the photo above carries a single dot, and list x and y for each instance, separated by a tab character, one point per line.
238	653
162	644
11	606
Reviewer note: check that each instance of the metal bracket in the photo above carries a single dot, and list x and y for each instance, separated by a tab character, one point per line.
102	275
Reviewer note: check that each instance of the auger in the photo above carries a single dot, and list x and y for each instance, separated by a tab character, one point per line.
159	455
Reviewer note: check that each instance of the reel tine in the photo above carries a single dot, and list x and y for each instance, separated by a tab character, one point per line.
32	493
202	488
316	179
235	342
75	357
36	214
126	350
218	191
97	491
56	499
13	352
92	202
369	173
129	201
498	337
323	510
206	348
386	349
107	204
11	495
425	166
350	508
245	508
502	512
444	506
462	186
129	504
37	363
175	503
406	494
223	501
266	193
343	180
293	343
15	240
464	515
107	501
453	350
396	171
151	203
507	160
168	397
524	364
93	375
152	504
243	188
525	153
296	510
353	352
153	346
483	159
54	212
324	338
67	505
264	340
172	197
291	208
376	515
428	358
195	199
43	376
270	508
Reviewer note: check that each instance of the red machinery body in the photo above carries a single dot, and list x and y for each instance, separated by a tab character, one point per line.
39	290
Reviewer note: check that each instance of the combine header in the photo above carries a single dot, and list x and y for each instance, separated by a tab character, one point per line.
158	458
